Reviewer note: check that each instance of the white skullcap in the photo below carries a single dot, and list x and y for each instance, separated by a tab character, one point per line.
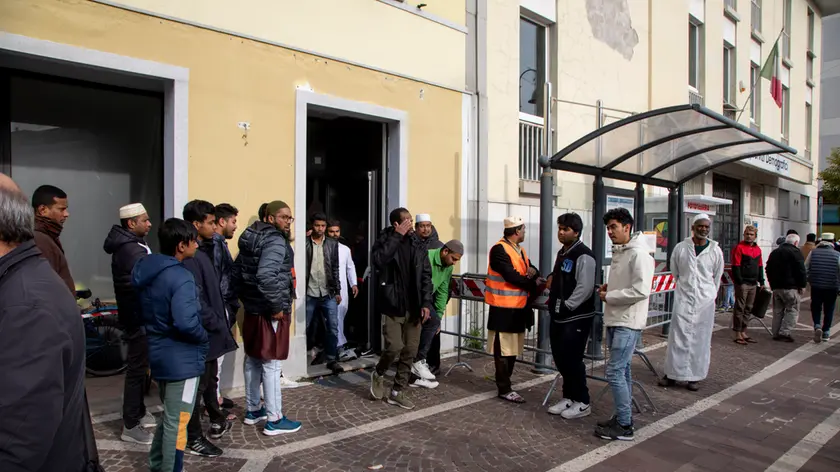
701	216
513	222
422	218
132	210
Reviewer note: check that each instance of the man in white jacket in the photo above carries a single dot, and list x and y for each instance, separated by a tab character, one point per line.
625	315
697	264
347	271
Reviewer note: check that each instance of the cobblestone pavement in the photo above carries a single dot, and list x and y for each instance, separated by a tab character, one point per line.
770	405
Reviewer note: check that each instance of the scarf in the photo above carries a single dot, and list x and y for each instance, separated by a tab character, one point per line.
50	228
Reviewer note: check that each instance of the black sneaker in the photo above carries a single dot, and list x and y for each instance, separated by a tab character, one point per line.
219	430
615	431
204	448
606	423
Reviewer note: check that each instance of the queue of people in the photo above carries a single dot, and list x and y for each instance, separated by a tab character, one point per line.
177	309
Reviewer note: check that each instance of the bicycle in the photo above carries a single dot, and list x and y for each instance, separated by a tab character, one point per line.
106	352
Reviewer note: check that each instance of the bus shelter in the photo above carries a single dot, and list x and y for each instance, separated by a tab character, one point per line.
665	147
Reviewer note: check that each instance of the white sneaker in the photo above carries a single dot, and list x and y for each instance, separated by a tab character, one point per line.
577	410
148	421
424	383
421	369
560	406
346	355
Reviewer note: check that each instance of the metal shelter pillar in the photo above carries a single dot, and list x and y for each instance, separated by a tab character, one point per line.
641	225
546	235
599	207
675	205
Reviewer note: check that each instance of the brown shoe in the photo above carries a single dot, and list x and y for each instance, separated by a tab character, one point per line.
693	386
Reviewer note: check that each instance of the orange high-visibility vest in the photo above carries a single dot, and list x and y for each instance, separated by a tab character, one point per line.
499	293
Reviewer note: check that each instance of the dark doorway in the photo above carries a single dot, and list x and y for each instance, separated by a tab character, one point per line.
345	164
727	226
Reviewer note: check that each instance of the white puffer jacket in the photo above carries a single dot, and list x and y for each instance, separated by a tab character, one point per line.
629	285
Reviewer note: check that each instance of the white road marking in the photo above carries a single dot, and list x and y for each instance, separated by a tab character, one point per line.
810	445
652	430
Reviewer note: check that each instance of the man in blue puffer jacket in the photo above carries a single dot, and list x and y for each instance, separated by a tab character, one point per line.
178	343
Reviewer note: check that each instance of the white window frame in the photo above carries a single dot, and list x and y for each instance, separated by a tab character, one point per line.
697	25
787	18
523	116
755	98
755	14
730	79
804	207
809	129
785	130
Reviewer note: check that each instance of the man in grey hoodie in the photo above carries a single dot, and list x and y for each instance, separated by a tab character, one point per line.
625	315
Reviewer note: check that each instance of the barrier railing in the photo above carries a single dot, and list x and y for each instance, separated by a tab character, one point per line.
471	329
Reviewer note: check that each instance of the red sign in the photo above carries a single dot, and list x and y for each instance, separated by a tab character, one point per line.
698	206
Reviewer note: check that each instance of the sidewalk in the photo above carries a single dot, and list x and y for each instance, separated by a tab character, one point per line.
759	407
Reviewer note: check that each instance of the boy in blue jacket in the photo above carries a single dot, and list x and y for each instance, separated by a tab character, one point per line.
177	342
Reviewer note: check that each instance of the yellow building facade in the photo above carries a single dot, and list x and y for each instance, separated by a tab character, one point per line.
325	105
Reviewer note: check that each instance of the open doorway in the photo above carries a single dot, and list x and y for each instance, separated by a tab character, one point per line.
345	164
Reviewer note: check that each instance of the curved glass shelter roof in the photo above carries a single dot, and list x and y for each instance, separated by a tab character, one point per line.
665	147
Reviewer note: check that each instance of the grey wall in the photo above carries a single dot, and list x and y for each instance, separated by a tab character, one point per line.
830	88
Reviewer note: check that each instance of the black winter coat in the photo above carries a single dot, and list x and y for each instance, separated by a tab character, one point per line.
223	262
394	281
43	358
262	272
213	317
125	249
330	261
786	268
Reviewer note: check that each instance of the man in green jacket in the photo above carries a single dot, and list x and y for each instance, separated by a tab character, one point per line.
443	261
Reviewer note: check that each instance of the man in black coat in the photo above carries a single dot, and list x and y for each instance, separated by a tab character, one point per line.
126	246
787	277
404	297
202	215
42	398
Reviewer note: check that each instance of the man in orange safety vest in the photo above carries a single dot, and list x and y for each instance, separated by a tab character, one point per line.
511	280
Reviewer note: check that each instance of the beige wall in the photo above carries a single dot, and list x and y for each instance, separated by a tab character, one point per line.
503	100
367	32
233	80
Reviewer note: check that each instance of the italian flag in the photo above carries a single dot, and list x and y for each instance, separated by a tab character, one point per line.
771	70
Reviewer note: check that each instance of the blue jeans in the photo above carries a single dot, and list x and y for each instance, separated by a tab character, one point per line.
267	373
622	346
328	308
729	300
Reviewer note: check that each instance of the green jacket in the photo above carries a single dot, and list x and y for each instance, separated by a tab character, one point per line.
440	281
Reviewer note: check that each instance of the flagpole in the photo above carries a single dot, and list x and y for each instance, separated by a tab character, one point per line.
757	80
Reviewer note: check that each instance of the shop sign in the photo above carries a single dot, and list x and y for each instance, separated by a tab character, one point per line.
773	163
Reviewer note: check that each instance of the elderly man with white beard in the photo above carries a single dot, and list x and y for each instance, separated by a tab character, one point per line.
697	265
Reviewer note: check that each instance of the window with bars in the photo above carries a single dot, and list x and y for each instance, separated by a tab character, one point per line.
784	204
757	199
804	207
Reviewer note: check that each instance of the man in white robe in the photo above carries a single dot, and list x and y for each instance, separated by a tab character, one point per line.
347	270
697	265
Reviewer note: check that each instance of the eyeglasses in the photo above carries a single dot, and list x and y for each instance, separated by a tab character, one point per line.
289	218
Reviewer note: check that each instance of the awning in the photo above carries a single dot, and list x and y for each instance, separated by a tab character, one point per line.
667	147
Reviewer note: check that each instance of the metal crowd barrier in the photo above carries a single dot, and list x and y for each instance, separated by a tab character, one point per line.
471	328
